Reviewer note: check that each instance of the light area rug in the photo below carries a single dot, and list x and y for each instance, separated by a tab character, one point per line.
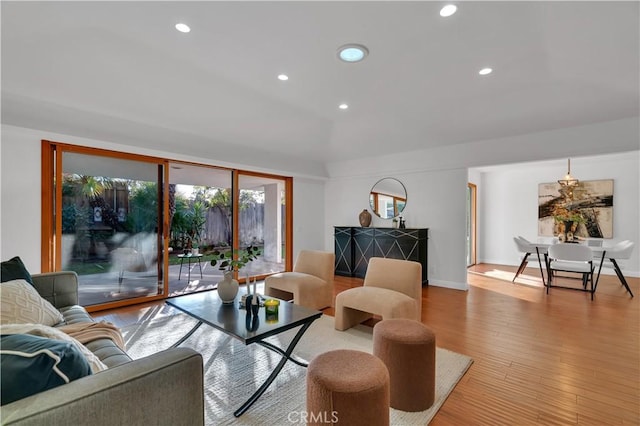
234	371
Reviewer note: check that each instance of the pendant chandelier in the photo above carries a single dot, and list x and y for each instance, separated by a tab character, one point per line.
568	180
568	184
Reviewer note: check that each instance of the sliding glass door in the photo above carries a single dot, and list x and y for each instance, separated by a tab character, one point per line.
200	214
204	221
137	228
108	226
262	221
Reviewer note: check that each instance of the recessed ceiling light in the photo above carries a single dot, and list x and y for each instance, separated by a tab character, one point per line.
283	77
485	71
352	52
343	106
448	10
183	28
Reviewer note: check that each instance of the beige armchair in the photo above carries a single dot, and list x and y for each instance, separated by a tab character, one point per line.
392	289
310	284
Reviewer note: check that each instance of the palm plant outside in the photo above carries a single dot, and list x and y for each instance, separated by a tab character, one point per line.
189	215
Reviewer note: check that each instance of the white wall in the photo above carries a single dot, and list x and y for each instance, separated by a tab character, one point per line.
308	217
439	207
508	198
20	201
20	221
436	181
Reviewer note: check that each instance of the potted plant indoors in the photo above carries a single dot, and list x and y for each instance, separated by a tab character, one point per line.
567	222
229	261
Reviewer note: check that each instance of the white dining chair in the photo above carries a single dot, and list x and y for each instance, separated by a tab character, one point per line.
610	257
575	258
527	248
593	242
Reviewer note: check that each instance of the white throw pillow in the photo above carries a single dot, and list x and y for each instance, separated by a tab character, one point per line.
22	304
54	333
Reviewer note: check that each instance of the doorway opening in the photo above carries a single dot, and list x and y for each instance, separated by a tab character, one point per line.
471	223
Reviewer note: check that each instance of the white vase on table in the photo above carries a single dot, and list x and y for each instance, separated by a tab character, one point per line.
228	288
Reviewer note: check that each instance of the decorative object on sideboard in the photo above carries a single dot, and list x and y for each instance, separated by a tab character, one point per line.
365	218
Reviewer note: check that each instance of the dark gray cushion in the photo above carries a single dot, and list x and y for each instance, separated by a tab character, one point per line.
32	364
14	269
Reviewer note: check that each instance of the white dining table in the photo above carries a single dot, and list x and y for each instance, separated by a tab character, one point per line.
542	247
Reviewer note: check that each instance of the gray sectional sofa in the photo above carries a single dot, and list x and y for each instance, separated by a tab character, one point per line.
165	388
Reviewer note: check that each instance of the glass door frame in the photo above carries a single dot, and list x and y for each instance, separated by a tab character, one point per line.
288	240
51	219
472	197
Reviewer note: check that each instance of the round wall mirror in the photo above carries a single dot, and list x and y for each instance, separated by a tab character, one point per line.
388	198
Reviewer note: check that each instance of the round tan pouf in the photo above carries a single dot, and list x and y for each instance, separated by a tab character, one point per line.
408	349
347	387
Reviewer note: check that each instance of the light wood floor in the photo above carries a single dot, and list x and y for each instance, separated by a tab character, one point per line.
538	359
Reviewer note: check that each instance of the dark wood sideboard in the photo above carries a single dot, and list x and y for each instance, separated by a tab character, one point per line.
354	246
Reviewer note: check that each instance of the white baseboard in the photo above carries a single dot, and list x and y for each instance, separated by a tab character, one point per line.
534	262
449	284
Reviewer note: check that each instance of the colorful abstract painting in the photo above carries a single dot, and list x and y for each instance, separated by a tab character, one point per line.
593	200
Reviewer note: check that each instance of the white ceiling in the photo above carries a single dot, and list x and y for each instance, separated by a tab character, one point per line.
120	72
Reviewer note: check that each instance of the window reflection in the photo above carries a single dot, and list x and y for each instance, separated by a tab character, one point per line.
388	198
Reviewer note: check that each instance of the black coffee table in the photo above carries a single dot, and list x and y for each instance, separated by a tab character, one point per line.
208	309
